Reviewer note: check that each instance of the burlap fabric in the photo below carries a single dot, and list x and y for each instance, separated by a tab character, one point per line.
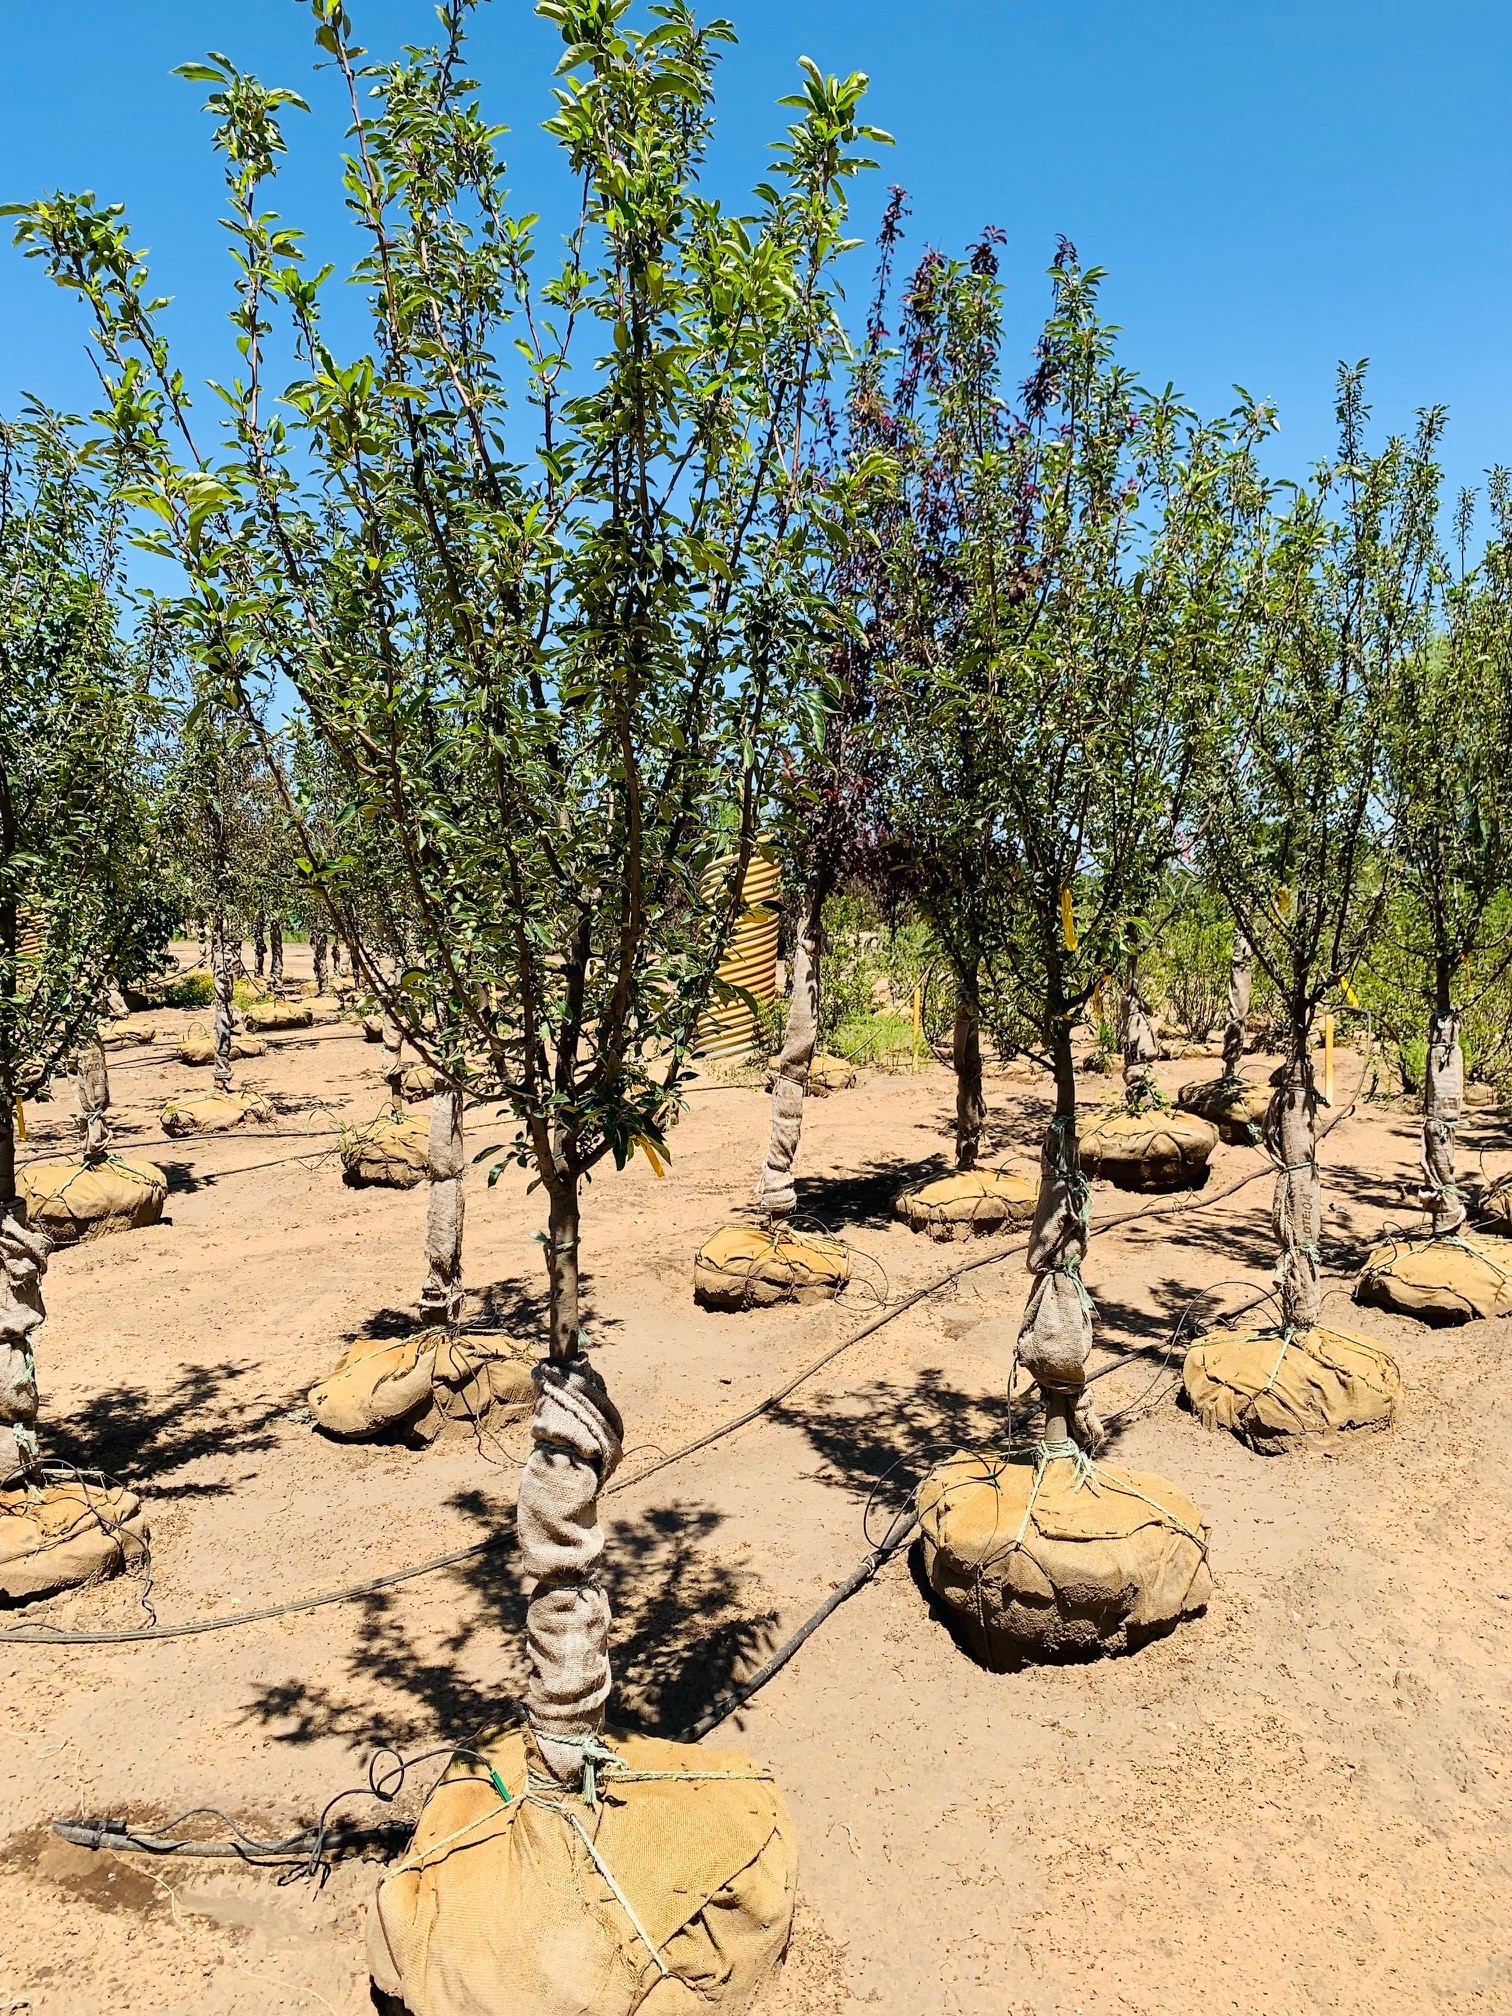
215	1113
1056	1333
671	1896
1140	1051
1493	1208
1453	1279
130	1031
1277	1395
64	1535
1443	1110
80	1199
413	1081
279	1015
1235	1106
1291	1141
1152	1150
826	1074
417	1385
1241	986
577	1438
1056	1557
442	1297
978	1201
391	1151
776	1193
198	1047
743	1267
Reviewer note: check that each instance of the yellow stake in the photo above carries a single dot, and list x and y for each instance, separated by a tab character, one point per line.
1068	919
1328	1056
918	1020
21	1120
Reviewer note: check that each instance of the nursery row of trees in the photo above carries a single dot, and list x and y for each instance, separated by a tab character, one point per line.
507	634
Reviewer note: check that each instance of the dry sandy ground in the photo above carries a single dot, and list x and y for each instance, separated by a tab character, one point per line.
1297	1803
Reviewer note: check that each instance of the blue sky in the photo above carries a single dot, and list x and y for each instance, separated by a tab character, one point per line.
1272	185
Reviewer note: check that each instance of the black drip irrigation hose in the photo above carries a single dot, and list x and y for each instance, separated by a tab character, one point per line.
41	1634
388	1836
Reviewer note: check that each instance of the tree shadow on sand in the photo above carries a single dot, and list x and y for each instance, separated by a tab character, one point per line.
687	1624
140	1437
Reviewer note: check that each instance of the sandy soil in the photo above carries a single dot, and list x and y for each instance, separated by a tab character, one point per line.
1295	1804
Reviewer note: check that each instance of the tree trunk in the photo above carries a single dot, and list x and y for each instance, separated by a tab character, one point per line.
1443	1109
1140	1052
92	1088
577	1437
1241	962
336	955
7	1154
776	1196
23	1262
259	949
220	971
442	1296
318	955
275	962
966	1055
1056	1334
1291	1137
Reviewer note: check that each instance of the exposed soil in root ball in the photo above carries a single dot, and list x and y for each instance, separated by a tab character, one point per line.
1059	1558
64	1536
1444	1281
1278	1393
75	1199
977	1203
744	1267
1236	1107
1155	1150
1294	1803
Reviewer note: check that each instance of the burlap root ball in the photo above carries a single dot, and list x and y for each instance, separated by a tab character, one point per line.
128	1033
75	1200
1154	1150
1441	1281
417	1082
501	1905
66	1535
978	1201
215	1113
392	1151
1235	1106
199	1048
260	1015
1493	1207
826	1074
1061	1560
415	1385
1278	1396
744	1267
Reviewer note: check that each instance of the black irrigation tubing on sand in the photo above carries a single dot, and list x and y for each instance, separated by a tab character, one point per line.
117	1836
123	1146
41	1635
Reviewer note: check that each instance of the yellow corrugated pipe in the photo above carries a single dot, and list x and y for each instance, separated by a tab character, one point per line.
750	962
